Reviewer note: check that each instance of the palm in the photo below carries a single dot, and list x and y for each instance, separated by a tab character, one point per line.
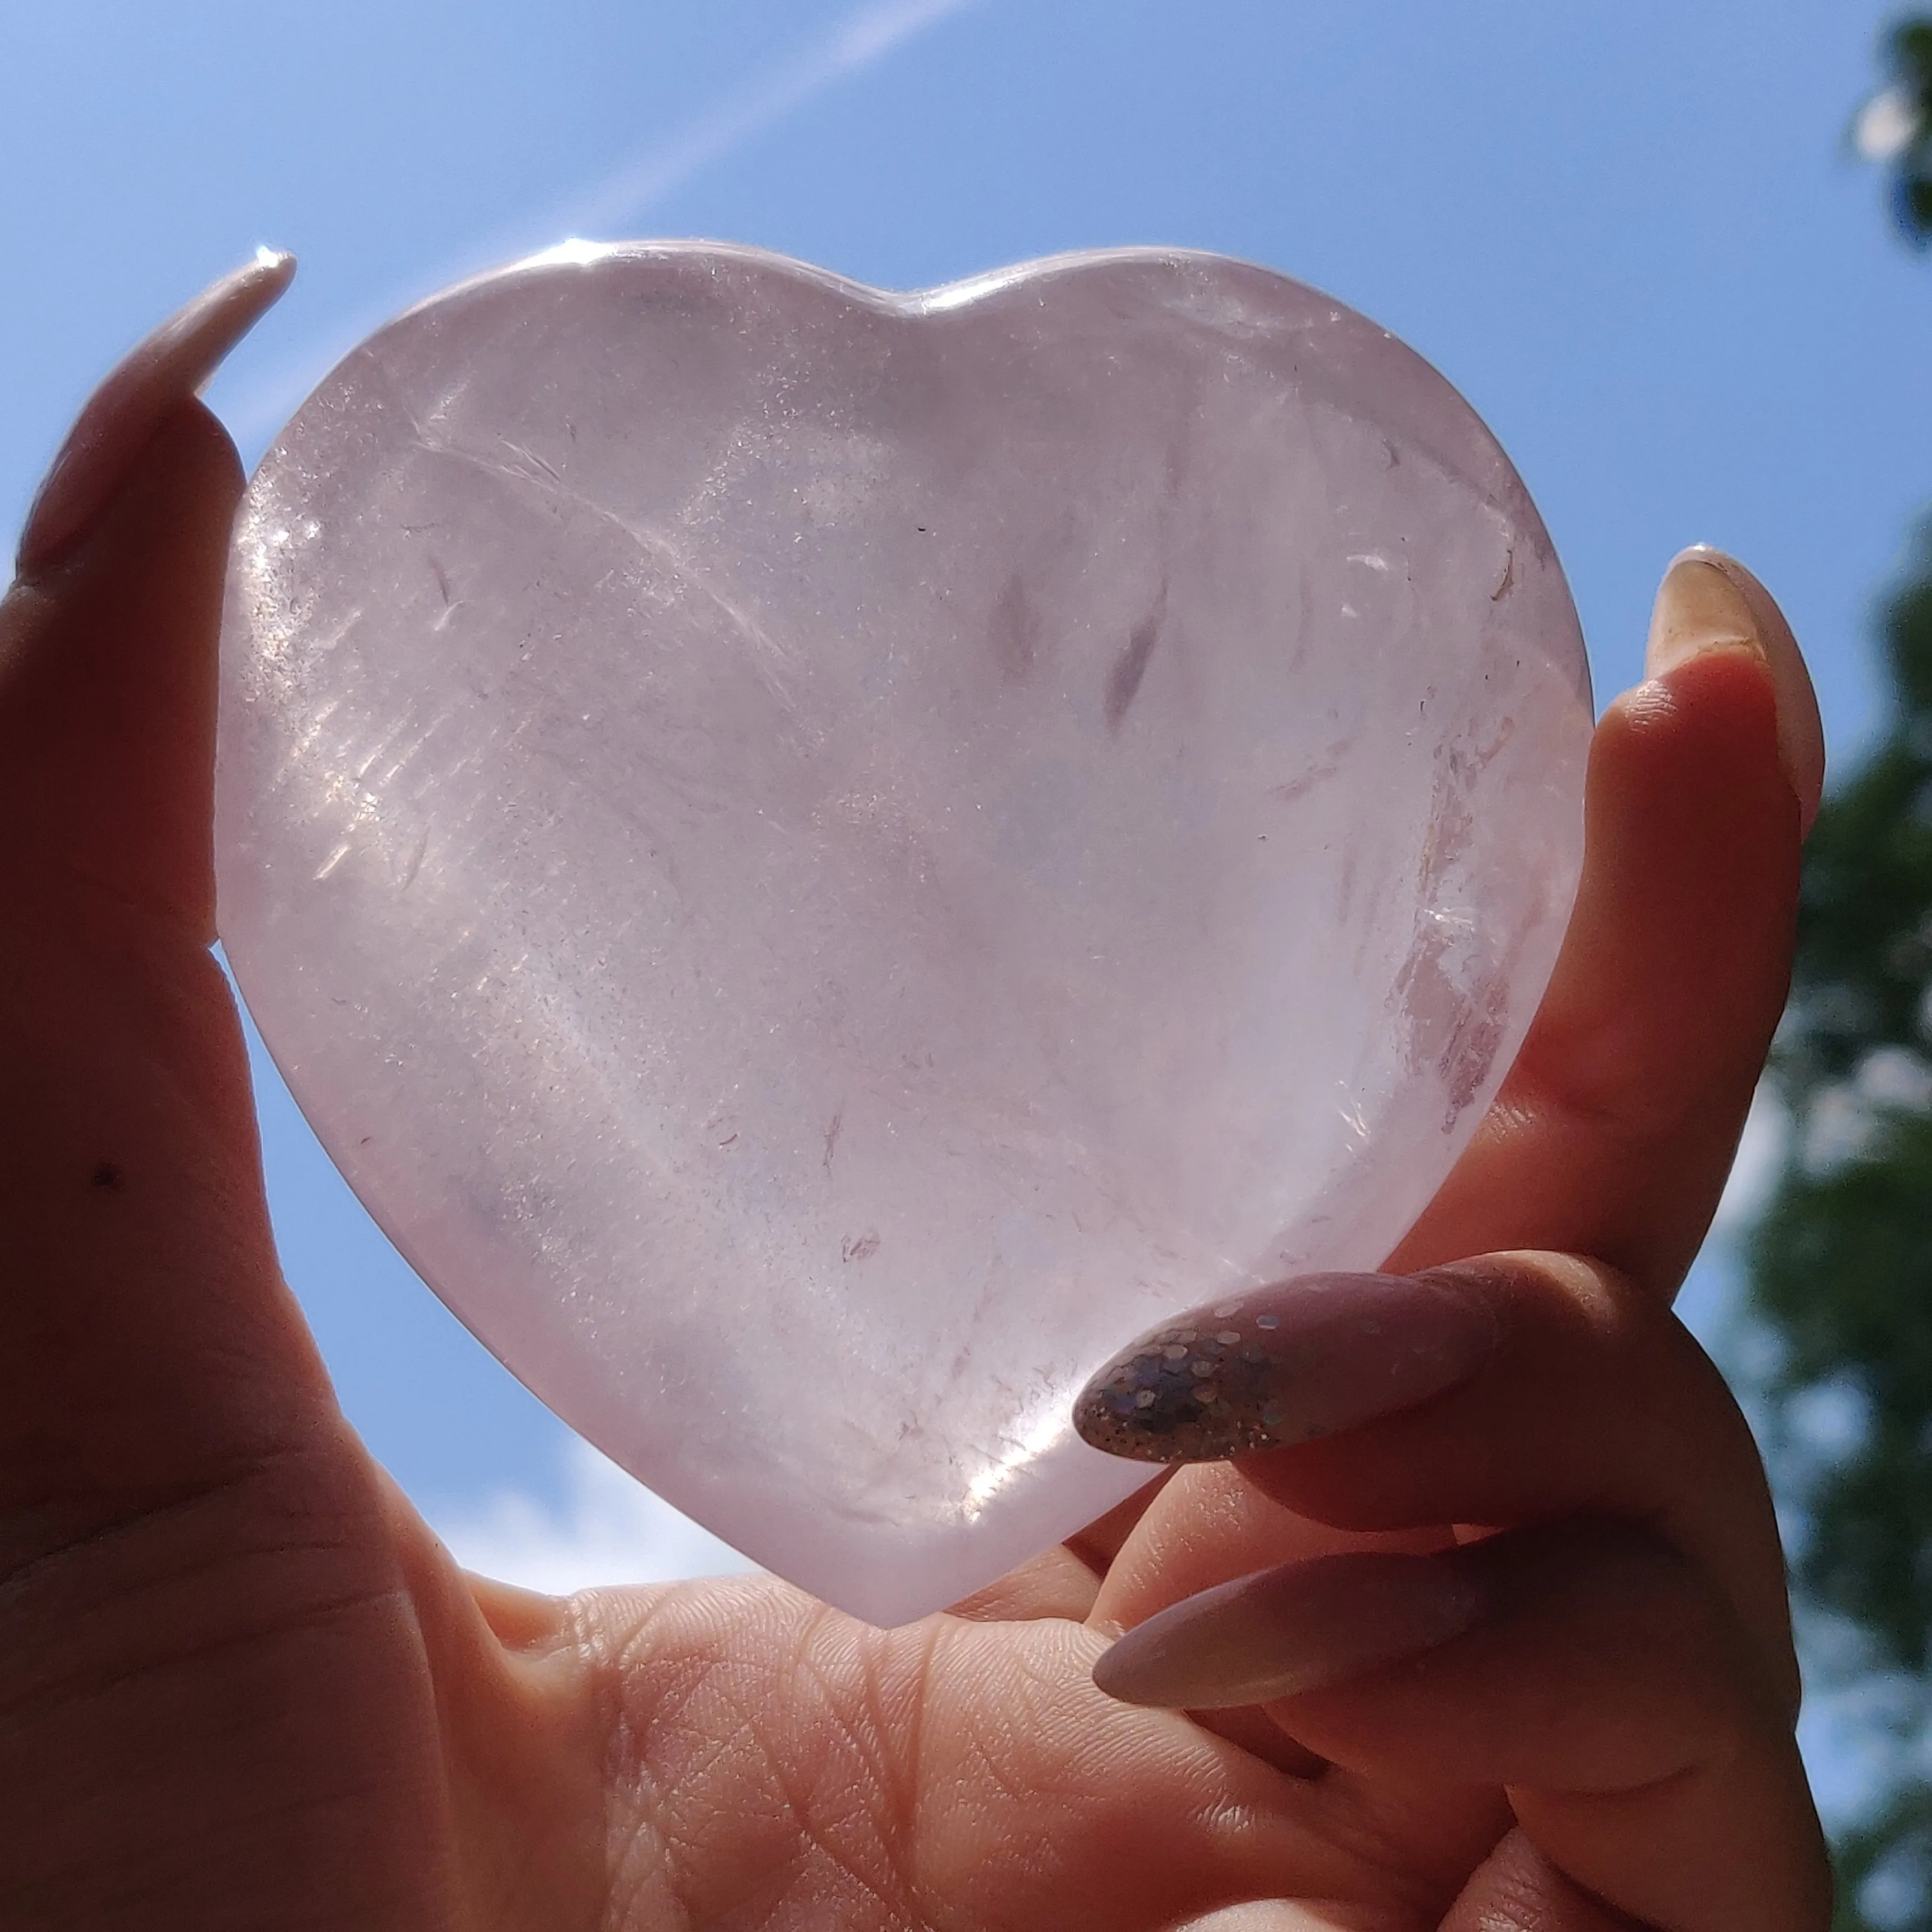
777	1766
732	1753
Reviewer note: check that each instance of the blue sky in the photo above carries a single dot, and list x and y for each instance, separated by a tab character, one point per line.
1631	232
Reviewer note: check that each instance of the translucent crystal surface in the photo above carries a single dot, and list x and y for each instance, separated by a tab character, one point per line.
821	859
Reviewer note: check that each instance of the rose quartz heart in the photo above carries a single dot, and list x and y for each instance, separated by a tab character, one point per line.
820	858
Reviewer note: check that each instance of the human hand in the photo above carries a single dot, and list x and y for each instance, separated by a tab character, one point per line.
241	1684
1595	1691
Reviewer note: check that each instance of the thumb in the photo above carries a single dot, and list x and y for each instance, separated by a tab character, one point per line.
107	638
146	1343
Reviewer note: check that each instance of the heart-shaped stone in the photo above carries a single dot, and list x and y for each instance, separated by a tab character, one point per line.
820	858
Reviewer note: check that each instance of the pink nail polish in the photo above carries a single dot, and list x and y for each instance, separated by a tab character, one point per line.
1301	1627
1303	1358
113	428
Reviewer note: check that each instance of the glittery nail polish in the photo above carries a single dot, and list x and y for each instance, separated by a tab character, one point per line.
1286	1363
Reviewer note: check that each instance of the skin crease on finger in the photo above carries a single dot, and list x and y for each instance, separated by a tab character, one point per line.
221	1627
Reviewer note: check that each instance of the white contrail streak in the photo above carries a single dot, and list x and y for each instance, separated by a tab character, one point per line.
861	39
856	41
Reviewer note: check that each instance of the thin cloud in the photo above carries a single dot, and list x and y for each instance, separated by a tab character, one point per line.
608	1529
856	41
1755	1167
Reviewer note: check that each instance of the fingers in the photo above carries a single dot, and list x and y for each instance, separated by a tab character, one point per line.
1513	1389
1587	1414
1595	1400
1614	1131
1617	1656
1586	1668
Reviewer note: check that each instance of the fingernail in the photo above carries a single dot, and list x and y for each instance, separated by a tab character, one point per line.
125	411
1281	1632
1301	1359
1710	602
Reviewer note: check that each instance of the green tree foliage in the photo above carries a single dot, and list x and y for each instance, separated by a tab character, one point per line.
1908	54
1841	1264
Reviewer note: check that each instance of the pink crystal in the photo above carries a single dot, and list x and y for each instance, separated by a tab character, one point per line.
820	858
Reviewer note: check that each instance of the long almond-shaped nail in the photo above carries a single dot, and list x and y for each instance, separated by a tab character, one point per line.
121	415
1302	1628
1303	1358
1710	602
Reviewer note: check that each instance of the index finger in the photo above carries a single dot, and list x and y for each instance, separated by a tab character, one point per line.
1613	1134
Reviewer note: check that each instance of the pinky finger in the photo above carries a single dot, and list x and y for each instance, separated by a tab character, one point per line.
1587	1668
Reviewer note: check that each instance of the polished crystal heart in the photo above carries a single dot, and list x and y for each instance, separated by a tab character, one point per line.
820	858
